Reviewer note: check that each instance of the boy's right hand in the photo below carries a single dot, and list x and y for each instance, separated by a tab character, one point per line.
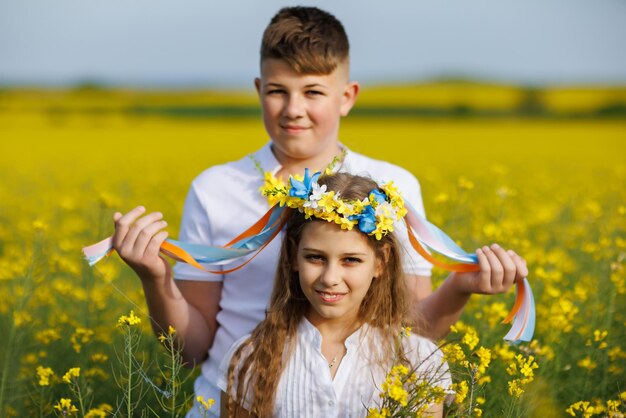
138	239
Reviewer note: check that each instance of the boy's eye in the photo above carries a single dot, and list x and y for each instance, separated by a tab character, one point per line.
275	91
314	93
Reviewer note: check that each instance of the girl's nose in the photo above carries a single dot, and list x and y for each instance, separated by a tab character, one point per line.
331	275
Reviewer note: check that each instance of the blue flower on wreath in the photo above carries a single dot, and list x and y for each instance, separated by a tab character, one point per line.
367	219
379	196
302	189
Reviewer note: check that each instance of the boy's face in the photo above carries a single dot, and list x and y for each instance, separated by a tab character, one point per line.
301	112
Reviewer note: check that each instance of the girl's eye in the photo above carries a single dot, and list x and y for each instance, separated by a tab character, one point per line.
352	260
314	257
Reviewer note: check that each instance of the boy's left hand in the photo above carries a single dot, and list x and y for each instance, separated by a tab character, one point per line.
499	269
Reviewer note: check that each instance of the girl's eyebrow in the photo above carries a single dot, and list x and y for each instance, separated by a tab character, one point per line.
343	254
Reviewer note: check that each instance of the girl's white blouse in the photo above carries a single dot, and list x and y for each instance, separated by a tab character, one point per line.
306	388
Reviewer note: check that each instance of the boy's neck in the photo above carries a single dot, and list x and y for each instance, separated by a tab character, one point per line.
293	166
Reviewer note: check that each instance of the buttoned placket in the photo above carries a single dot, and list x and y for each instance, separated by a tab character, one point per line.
333	388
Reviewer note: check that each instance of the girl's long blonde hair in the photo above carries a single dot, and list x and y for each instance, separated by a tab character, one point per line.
385	308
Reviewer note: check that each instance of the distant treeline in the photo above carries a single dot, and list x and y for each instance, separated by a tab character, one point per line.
434	100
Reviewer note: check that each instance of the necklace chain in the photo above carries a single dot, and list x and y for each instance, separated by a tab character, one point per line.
332	363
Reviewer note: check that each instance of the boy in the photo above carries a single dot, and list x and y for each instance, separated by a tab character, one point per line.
304	90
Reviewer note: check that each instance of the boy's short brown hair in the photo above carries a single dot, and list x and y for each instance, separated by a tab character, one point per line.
310	40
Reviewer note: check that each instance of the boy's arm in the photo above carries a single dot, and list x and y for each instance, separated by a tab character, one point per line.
191	308
437	311
137	240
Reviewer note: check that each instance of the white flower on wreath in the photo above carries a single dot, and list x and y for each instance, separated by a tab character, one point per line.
385	210
317	192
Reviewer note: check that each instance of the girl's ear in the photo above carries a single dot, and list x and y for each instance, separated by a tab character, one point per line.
382	260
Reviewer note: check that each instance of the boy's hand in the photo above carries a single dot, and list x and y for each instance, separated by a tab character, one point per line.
138	240
499	269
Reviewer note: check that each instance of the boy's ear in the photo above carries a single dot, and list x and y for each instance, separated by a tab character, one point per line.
350	93
257	85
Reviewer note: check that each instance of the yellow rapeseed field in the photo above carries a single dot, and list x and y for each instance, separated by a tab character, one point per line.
553	190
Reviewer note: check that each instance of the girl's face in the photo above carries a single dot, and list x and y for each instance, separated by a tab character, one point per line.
336	268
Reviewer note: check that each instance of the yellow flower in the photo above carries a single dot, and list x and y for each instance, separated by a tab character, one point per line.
80	337
206	404
47	336
453	353
65	405
406	331
102	411
44	374
461	389
129	320
99	358
587	363
515	388
73	372
470	339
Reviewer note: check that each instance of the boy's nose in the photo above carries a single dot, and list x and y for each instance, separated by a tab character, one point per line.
294	107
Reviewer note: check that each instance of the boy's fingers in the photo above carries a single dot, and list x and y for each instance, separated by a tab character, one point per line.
485	271
496	271
136	228
153	247
146	234
520	264
508	265
122	223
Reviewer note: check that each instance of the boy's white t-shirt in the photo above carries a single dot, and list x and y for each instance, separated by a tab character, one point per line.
307	389
225	200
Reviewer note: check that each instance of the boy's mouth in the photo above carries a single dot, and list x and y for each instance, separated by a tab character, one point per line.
293	129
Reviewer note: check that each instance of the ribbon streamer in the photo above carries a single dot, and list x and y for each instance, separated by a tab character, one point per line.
425	237
250	242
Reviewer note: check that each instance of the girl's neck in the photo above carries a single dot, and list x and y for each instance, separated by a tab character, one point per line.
334	330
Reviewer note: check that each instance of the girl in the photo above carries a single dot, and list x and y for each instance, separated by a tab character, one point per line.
339	301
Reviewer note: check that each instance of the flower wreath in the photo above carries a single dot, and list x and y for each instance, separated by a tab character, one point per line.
373	215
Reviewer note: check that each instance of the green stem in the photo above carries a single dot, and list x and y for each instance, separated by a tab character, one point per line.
8	359
80	399
174	371
130	367
5	366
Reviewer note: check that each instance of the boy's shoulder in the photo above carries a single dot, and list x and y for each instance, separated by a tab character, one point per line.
380	170
229	175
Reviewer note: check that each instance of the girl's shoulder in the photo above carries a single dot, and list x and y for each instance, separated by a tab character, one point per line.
427	359
223	368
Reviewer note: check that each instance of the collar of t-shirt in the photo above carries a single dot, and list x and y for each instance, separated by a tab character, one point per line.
268	160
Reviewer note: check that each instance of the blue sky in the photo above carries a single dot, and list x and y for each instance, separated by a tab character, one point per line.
210	43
